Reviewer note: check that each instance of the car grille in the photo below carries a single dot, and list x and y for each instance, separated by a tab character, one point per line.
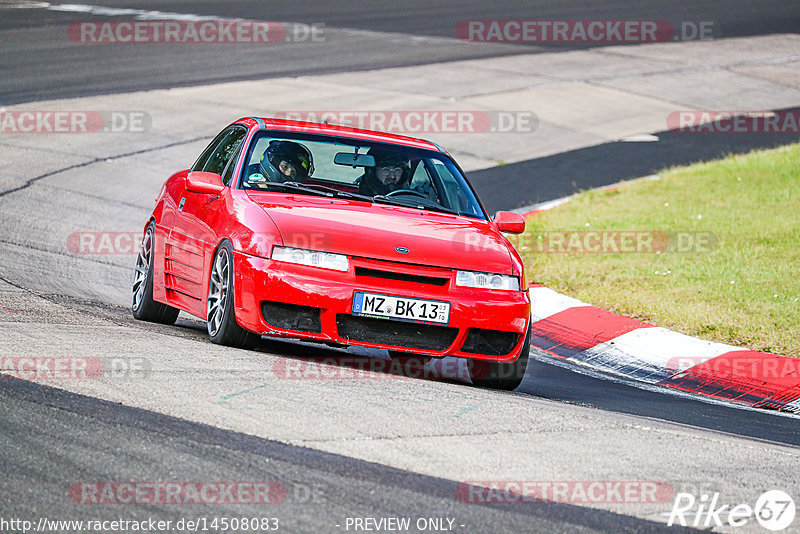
388	275
291	316
395	333
489	342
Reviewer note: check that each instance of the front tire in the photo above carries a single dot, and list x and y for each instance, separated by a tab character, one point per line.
220	317
503	376
143	306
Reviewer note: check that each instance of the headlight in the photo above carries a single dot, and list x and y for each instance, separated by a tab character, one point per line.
312	258
487	280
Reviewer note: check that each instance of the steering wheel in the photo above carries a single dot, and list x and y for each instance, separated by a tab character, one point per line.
406	192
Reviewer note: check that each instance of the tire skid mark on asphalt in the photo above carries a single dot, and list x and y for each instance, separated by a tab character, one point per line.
35	179
108	200
86	257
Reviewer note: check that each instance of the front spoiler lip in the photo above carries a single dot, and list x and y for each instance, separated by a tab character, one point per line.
332	292
326	339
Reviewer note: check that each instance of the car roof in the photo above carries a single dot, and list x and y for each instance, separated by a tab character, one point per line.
336	131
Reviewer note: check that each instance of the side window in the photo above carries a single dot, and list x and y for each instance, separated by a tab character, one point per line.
422	183
421	175
216	155
223	152
201	161
228	172
456	197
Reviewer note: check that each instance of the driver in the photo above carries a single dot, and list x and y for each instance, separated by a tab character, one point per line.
283	161
392	171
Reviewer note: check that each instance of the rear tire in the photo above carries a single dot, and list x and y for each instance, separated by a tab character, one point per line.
503	376
220	316
143	306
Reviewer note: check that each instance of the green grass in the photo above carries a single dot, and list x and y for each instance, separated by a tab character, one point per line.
744	289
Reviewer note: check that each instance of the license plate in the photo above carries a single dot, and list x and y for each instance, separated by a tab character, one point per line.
401	308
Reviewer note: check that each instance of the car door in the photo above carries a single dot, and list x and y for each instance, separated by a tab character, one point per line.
191	239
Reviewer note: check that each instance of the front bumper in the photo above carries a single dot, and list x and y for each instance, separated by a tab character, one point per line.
292	293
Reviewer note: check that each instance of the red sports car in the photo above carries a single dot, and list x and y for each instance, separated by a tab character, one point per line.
341	236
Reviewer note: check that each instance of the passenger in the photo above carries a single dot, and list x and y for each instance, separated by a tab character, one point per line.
283	161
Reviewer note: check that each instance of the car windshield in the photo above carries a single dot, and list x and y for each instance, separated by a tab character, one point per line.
358	169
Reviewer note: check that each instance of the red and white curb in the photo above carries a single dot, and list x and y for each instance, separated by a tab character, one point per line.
570	329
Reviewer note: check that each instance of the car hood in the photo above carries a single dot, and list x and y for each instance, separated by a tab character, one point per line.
379	230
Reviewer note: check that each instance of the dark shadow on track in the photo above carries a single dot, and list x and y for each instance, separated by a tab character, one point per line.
553	382
54	439
547	381
543	380
550	381
528	182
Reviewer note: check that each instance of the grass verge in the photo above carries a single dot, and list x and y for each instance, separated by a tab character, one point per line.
710	250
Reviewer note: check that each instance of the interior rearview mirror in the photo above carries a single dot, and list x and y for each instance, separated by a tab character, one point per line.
354	160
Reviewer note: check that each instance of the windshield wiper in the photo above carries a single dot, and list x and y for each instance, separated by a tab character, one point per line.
330	192
294	186
383	199
334	192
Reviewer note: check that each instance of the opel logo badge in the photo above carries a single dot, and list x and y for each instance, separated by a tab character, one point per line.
401	250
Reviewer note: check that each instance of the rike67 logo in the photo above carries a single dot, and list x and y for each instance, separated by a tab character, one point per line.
774	510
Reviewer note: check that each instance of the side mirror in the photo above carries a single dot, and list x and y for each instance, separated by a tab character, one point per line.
511	223
209	183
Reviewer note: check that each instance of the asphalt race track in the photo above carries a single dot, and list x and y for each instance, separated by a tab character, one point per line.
324	487
179	409
414	34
